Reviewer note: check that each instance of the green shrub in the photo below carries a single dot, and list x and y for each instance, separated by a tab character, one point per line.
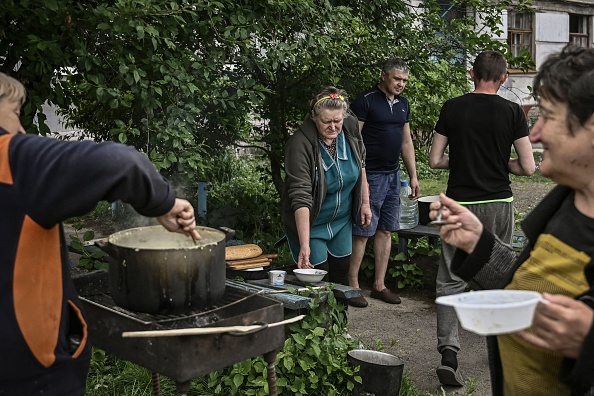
402	269
90	259
241	196
313	360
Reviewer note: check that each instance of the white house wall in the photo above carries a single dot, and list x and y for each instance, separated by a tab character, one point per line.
516	89
551	34
551	27
543	50
502	28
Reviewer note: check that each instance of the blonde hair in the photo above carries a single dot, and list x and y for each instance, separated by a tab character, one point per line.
11	89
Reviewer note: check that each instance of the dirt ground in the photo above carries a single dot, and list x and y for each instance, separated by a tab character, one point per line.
408	330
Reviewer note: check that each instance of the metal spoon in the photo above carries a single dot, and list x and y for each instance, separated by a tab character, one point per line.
438	222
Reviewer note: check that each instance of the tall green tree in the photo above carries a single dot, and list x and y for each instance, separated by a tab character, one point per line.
179	79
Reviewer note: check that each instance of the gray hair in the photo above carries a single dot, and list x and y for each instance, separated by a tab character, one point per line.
395	63
329	98
11	89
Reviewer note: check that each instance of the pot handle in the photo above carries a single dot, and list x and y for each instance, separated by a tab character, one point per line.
229	233
107	247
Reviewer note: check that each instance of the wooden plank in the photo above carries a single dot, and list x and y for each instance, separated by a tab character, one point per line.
251	263
419	231
255	264
340	291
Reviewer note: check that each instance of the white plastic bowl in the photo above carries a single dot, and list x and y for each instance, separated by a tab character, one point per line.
310	275
492	312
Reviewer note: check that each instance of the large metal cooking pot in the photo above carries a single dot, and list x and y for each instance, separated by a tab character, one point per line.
156	271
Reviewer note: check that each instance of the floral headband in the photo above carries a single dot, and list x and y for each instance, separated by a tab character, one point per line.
331	96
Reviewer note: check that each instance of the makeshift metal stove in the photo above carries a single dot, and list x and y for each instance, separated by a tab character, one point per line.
183	358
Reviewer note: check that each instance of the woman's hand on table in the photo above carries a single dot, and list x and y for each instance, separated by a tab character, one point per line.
303	260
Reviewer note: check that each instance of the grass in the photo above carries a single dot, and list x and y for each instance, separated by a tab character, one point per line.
435	181
102	210
432	186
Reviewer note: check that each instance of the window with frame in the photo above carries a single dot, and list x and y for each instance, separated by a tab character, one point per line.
519	32
451	10
579	34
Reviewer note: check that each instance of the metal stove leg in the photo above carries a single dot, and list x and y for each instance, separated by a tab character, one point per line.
183	388
270	358
155	384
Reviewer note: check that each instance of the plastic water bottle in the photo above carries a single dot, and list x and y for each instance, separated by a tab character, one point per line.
409	211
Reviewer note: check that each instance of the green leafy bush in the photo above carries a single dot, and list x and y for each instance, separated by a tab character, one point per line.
241	196
90	259
406	272
407	275
313	360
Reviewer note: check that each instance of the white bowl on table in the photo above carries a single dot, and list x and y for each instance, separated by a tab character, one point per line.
310	275
492	312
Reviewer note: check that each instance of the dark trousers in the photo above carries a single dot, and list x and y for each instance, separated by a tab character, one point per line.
338	269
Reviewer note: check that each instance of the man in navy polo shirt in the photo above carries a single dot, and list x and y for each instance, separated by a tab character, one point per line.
384	116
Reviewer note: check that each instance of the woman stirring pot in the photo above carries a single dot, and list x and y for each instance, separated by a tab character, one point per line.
325	186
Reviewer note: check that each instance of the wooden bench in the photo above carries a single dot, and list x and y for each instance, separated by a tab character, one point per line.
433	234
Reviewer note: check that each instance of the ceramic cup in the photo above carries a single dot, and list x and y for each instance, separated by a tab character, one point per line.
277	277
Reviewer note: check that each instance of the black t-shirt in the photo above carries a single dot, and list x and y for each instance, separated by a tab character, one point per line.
572	227
382	131
481	130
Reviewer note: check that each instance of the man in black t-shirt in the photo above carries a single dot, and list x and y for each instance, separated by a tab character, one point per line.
555	355
480	129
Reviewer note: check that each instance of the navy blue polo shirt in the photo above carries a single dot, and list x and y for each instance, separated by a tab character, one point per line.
382	131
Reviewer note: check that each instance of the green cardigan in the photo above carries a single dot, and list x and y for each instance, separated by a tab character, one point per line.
305	184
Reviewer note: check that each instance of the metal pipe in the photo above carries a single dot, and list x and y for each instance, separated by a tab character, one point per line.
201	209
270	358
155	384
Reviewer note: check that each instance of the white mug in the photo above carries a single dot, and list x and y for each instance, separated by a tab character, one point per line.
277	277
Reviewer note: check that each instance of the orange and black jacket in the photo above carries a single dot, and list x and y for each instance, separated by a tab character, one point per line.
43	182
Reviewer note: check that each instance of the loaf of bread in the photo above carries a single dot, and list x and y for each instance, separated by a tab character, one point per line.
241	252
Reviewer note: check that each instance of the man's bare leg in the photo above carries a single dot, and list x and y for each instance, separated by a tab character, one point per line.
382	247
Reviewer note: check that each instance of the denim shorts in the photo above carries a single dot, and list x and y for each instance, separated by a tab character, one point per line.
384	198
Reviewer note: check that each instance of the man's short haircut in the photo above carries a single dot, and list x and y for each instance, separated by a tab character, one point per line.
489	66
568	77
11	89
395	63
